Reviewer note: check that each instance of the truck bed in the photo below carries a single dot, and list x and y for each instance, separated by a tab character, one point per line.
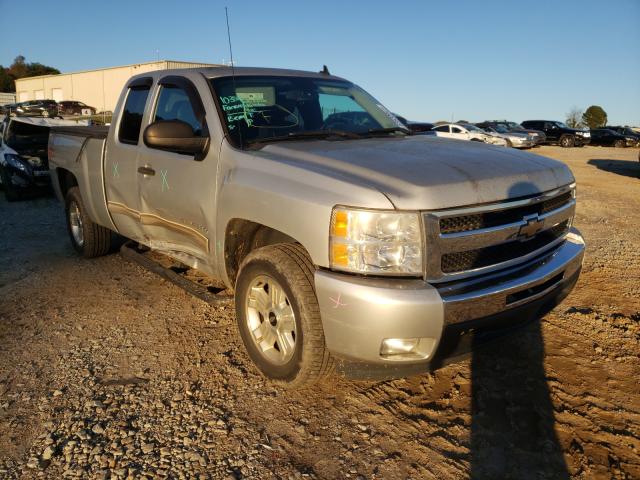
80	151
93	131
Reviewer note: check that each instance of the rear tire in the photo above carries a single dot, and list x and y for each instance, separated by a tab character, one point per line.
567	141
88	238
276	303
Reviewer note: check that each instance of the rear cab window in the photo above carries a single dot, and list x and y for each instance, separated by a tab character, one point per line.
132	113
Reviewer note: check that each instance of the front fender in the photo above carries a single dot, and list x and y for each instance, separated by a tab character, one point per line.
290	198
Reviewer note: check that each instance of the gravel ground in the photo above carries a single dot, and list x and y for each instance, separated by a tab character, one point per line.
108	371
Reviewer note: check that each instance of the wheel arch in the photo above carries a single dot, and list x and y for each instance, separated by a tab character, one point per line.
243	236
65	179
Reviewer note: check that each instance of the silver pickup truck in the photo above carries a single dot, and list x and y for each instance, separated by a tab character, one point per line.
349	243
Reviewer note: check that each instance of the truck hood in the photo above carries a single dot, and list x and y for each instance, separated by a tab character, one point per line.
426	172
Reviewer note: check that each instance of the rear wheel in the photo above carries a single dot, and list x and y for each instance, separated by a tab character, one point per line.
567	141
88	238
279	318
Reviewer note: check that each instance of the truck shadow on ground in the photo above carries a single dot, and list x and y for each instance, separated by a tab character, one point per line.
628	168
512	426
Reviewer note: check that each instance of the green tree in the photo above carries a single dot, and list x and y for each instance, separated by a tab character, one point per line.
35	69
21	69
6	82
595	117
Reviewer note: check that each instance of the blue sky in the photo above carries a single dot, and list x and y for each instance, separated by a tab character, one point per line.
427	60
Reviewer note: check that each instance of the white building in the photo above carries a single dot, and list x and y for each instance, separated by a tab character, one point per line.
97	88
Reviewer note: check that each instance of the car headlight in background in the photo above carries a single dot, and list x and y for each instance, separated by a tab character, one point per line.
375	242
16	162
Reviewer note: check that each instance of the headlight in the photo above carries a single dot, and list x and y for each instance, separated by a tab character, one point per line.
375	242
16	162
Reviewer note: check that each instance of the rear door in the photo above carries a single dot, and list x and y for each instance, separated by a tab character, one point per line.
177	190
121	167
552	131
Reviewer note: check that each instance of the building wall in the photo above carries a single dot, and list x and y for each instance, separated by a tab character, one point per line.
97	88
6	98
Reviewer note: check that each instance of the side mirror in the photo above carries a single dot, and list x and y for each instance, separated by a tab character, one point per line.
174	136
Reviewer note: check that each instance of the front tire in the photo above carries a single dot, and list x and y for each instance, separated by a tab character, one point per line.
88	238
10	192
567	141
619	144
279	318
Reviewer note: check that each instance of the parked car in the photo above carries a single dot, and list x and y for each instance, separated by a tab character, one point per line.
628	133
469	132
559	133
24	166
513	139
7	108
38	108
538	136
73	107
350	244
609	138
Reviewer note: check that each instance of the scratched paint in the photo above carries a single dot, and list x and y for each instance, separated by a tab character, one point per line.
116	174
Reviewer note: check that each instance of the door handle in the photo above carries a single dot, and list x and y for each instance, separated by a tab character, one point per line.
146	171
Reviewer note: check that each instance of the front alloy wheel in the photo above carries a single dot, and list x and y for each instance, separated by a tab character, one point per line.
271	320
278	315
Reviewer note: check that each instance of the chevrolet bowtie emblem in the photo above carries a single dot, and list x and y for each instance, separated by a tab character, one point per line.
531	228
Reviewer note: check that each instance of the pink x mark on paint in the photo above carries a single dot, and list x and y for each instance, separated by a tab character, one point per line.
337	302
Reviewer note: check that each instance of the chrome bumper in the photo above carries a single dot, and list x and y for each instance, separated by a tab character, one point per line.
358	313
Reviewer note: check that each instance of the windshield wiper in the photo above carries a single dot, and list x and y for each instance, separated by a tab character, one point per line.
378	131
310	134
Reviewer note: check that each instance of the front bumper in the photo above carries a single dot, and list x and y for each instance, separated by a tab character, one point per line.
581	141
30	180
358	313
524	144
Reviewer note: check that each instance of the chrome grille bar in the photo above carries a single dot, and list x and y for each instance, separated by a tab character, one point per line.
529	226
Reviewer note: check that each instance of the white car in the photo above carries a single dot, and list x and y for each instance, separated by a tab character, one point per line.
469	132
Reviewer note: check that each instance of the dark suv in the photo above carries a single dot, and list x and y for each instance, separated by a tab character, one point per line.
538	135
558	132
627	132
72	107
608	137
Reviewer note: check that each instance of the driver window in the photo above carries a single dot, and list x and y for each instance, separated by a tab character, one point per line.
456	130
174	104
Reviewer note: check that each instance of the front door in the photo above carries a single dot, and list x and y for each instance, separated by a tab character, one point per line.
177	191
459	133
121	166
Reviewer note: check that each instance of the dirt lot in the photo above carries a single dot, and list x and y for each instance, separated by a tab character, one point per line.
107	371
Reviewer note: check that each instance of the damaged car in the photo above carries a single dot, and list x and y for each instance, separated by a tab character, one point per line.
24	166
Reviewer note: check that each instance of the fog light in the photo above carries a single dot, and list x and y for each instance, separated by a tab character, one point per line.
407	348
399	346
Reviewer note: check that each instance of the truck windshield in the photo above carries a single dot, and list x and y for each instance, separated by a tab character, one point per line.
269	108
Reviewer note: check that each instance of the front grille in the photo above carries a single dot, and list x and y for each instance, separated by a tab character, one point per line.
478	240
467	223
483	257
